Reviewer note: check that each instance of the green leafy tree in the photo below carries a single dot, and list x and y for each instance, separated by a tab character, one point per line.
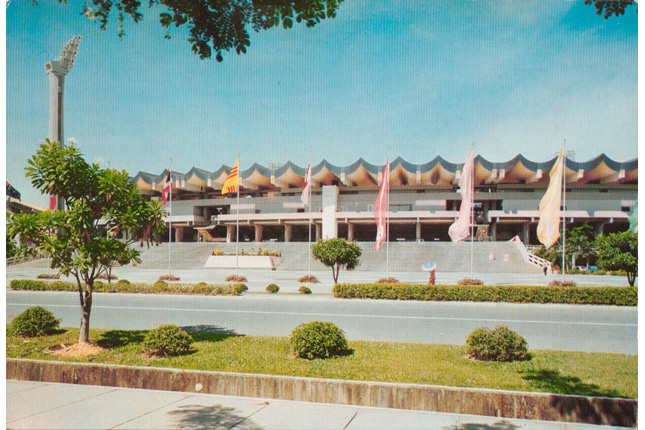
75	239
610	7
619	251
580	243
337	254
214	25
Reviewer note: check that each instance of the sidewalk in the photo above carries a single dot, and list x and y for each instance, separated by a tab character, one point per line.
53	406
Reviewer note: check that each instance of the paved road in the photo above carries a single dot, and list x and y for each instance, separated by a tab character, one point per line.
53	406
559	327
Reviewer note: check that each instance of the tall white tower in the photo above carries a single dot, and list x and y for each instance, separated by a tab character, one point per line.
57	70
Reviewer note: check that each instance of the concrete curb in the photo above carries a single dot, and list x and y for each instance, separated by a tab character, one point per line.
506	404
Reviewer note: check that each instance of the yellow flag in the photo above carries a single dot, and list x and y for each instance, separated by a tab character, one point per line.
548	229
230	186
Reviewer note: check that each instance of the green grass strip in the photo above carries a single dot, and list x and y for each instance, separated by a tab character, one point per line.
619	296
126	287
589	374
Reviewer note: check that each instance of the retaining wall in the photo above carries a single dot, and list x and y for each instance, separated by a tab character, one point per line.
506	404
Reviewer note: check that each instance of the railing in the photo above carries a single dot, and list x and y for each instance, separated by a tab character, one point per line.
21	259
529	257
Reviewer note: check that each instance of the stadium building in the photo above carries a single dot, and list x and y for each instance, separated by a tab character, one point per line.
424	200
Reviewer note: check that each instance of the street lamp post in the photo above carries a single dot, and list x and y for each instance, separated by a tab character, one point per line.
57	70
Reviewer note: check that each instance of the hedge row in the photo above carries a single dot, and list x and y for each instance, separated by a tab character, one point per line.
619	296
126	287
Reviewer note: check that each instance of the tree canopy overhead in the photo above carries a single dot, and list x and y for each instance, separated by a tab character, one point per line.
215	26
610	7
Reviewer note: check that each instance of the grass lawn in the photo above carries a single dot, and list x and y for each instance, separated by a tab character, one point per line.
593	374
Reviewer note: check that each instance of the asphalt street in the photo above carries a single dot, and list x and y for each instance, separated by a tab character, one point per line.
558	327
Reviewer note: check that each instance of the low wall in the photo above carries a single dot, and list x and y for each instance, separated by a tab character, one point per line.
505	404
243	262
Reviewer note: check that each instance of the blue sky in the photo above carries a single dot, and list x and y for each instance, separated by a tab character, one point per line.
424	78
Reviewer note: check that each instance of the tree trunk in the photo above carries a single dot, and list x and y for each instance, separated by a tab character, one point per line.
631	278
334	271
86	309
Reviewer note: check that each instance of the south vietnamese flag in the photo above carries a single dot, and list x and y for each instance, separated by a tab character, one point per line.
380	207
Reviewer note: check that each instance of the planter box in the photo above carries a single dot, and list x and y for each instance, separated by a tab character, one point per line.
243	262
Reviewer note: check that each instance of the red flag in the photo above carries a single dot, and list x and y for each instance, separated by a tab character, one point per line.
307	189
380	206
166	187
53	201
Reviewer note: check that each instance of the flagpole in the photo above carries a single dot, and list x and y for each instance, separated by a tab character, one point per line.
387	219
170	218
472	210
309	198
564	202
237	220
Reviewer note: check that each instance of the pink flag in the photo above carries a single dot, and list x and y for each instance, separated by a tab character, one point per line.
53	201
307	189
459	230
380	207
166	187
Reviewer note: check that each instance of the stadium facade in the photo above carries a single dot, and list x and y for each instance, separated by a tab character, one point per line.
424	200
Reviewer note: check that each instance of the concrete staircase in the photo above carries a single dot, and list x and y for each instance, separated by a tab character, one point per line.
488	257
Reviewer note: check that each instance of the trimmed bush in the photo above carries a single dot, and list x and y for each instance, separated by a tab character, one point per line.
167	339
105	276
48	276
168	278
233	278
469	281
562	284
35	321
272	288
389	280
308	278
499	344
304	290
123	286
160	285
318	339
619	296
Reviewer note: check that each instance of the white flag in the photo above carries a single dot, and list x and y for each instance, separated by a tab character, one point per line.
548	228
460	229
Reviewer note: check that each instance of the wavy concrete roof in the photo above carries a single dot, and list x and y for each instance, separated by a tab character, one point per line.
518	170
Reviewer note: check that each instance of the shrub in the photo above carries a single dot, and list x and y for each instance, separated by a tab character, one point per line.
265	252
304	290
468	281
123	282
308	278
218	252
273	253
105	276
562	284
48	276
35	321
167	339
619	296
243	252
168	278
318	339
389	280
234	278
238	289
272	288
499	344
160	285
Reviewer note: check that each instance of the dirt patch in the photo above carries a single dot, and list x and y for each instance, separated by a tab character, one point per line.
76	350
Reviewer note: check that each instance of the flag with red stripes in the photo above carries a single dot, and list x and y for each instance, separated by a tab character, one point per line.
307	189
230	185
380	207
166	187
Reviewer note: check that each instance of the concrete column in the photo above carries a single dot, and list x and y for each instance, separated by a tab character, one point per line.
230	233
418	235
288	228
179	234
493	231
318	232
258	232
525	233
350	232
330	205
599	229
